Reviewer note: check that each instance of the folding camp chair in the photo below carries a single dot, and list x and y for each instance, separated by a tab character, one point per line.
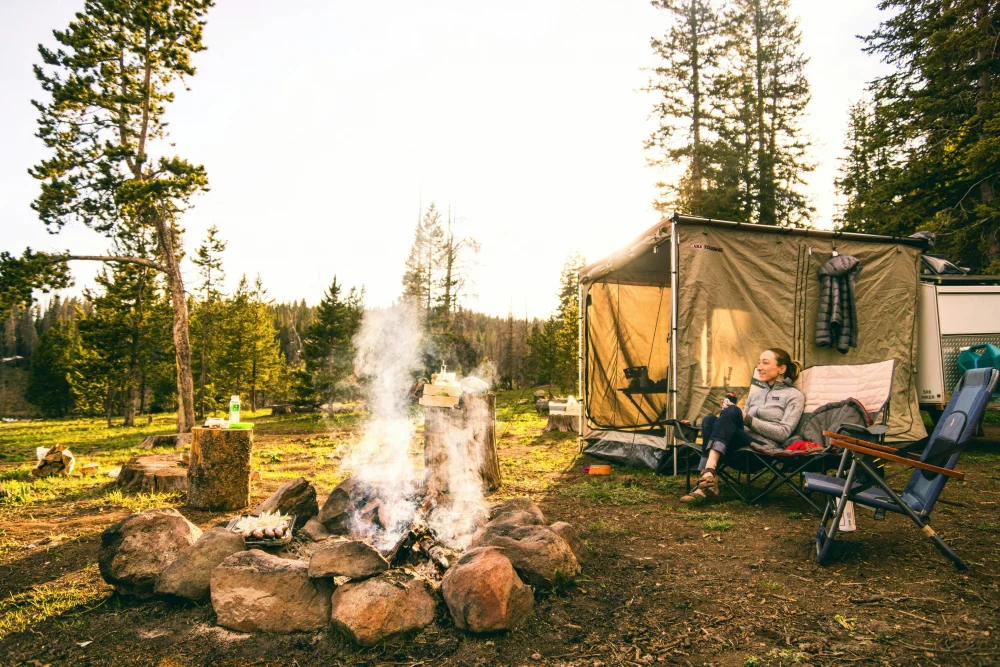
864	486
867	385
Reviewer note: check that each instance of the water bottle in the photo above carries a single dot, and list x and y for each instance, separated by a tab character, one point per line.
234	410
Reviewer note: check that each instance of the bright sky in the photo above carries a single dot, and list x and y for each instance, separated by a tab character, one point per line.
325	124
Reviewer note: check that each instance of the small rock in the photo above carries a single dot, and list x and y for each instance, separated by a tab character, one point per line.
314	531
253	590
138	548
346	558
538	553
190	574
484	593
255	476
89	469
568	532
335	514
382	608
296	497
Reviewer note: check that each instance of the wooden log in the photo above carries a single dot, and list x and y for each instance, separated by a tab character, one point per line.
563	423
219	470
477	418
163	473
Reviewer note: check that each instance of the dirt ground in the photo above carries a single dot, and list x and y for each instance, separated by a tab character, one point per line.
722	584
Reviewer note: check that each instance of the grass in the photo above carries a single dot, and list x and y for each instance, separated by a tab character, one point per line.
608	493
719	522
768	585
24	610
989	526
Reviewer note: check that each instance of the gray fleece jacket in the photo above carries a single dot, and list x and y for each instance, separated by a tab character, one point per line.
775	411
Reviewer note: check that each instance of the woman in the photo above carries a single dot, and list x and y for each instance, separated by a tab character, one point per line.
770	416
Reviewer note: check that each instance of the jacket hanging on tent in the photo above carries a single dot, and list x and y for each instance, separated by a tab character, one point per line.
837	320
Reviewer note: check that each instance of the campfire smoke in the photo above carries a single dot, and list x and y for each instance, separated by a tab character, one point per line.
388	353
390	347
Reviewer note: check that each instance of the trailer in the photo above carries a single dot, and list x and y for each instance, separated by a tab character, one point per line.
956	311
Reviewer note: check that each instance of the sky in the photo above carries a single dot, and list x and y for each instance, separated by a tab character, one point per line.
325	126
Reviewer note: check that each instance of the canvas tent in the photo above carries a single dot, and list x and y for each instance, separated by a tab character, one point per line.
695	301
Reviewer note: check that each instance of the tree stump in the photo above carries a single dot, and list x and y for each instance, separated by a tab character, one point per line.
563	423
219	471
161	472
475	422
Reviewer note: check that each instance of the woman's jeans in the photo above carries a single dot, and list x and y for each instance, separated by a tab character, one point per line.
722	432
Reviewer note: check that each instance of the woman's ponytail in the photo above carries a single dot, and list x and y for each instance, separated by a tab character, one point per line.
792	368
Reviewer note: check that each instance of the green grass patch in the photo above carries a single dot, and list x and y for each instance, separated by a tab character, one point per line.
608	493
793	516
989	526
138	502
719	522
601	526
25	610
768	585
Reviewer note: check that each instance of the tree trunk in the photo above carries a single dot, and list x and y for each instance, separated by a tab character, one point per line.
219	470
476	421
182	343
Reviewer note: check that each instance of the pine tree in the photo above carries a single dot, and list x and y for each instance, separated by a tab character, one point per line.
689	55
49	386
935	129
455	254
423	264
108	84
763	99
327	348
206	314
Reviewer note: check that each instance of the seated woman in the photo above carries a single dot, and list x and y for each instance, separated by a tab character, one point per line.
770	416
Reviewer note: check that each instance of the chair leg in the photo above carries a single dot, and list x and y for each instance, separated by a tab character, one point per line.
825	538
921	524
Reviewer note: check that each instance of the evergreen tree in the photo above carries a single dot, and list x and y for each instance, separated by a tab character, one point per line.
108	84
689	55
933	128
206	314
327	348
554	347
49	379
455	254
424	262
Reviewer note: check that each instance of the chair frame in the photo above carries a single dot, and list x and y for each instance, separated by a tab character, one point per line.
862	455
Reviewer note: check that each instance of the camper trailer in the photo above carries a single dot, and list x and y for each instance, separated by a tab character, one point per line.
677	319
957	312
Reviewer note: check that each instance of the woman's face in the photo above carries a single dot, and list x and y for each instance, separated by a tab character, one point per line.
768	369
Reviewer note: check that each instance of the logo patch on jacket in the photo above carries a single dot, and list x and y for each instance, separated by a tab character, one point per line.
775	398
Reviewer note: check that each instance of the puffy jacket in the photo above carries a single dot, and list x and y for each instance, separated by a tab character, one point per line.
775	411
837	319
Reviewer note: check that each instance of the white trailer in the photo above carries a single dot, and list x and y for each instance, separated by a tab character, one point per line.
956	311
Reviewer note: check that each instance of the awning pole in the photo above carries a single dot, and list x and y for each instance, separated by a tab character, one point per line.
673	335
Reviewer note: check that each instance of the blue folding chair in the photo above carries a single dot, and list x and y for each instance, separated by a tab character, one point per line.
865	486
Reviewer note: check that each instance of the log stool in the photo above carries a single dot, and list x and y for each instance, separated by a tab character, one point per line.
219	471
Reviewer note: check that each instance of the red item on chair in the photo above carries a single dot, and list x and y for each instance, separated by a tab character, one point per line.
803	446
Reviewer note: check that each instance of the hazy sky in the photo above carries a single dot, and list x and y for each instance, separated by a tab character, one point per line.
323	126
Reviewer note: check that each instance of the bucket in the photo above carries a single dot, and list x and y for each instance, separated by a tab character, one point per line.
979	356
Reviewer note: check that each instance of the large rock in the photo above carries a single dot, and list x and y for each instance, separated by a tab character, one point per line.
253	590
539	555
340	504
189	576
484	593
138	548
381	608
296	497
519	507
568	532
346	558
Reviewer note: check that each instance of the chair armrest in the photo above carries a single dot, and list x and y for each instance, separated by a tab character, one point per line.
866	448
688	432
876	430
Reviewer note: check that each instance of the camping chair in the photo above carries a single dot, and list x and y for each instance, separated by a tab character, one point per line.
864	486
867	386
